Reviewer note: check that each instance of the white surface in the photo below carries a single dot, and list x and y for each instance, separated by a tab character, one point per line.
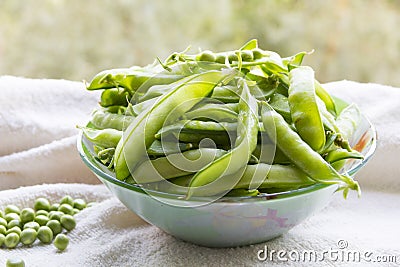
111	235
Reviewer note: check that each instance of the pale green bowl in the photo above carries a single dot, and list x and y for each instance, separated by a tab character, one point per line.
229	221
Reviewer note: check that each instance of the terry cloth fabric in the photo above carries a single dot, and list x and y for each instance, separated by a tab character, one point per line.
38	158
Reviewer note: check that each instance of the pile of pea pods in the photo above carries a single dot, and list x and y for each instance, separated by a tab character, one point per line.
236	123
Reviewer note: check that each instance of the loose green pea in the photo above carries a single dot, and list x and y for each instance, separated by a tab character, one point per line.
66	208
42	204
61	242
68	222
55	226
3	229
1	214
2	238
13	223
55	215
27	215
12	216
28	236
12	209
206	55
75	211
45	235
79	204
54	207
15	262
32	225
42	212
14	229
41	220
67	200
3	222
11	240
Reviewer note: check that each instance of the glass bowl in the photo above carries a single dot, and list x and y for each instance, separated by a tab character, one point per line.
228	221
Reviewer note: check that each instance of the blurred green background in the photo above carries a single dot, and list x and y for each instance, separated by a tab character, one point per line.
74	39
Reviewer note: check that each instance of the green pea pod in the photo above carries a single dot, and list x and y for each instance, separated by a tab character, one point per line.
105	138
341	154
140	133
217	112
140	107
221	139
301	154
304	108
132	78
175	165
325	97
281	104
114	97
238	157
242	193
195	125
102	119
159	148
273	176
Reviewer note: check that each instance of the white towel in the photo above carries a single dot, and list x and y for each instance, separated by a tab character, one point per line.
111	235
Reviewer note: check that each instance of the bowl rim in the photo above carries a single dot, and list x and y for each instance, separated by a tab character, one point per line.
84	152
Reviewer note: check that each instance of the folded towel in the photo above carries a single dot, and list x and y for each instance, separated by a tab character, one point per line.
38	131
37	146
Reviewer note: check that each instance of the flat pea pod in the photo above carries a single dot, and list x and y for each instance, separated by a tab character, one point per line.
222	138
114	97
301	154
101	119
304	108
105	138
195	125
154	92
238	157
175	165
216	112
141	106
140	133
159	148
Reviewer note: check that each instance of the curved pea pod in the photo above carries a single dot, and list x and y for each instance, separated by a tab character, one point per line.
236	158
301	154
281	104
342	154
325	97
142	106
102	119
140	134
104	138
114	97
131	78
273	176
159	148
304	108
217	112
221	139
175	165
155	91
